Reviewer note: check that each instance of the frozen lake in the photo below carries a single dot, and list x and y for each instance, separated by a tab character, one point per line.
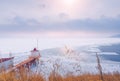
14	45
79	59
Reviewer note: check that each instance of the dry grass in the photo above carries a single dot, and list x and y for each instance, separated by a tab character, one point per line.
24	75
86	77
21	75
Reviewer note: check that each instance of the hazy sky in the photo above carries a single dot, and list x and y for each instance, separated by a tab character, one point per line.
59	18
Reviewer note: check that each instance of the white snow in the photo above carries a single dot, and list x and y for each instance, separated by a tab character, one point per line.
75	62
69	56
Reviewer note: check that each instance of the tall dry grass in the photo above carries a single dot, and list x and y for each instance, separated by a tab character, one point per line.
25	75
21	75
86	77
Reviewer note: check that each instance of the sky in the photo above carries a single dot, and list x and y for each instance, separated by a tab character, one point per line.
59	18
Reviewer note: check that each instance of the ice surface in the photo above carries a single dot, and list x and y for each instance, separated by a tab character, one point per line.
77	61
68	56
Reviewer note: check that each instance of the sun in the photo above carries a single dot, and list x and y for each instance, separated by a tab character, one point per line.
69	2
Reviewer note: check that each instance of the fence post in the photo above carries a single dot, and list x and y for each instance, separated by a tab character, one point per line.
99	67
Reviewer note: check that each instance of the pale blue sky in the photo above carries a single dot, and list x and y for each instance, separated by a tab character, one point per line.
60	17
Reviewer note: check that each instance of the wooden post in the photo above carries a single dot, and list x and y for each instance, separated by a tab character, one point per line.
99	67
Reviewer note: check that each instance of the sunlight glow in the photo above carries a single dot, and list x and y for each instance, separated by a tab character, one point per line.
69	2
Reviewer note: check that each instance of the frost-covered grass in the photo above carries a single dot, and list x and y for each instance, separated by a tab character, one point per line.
70	64
77	61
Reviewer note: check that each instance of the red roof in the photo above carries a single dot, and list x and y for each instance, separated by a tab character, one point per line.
34	50
5	59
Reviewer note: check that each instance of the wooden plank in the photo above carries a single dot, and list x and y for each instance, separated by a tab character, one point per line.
22	63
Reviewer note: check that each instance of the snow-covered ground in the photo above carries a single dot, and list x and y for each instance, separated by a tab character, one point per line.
77	61
69	56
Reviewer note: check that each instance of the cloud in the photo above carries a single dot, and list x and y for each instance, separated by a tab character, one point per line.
40	8
19	24
63	15
54	15
95	25
23	8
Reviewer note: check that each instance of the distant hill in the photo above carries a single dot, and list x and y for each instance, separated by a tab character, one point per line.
116	36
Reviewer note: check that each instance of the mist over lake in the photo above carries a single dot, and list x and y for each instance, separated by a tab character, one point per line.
26	44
